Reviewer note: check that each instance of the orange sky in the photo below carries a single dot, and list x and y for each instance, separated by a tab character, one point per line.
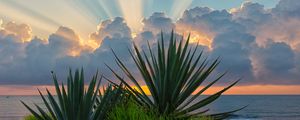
237	90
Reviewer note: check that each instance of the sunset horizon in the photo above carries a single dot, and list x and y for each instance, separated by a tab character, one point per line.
162	52
19	90
137	21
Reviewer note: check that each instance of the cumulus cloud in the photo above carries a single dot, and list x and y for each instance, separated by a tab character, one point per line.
277	35
189	18
261	45
111	28
287	8
229	39
22	31
234	50
158	22
252	11
153	26
275	63
116	36
11	42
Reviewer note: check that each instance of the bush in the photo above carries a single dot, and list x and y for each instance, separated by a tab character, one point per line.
77	103
130	110
30	117
172	74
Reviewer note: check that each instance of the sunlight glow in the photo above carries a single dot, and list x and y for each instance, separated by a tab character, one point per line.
1	22
74	53
133	35
84	46
92	44
236	90
105	8
23	31
144	88
198	35
201	39
44	19
132	11
178	8
247	90
19	16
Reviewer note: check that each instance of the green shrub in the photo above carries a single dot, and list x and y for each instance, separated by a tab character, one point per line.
77	103
172	75
30	117
130	110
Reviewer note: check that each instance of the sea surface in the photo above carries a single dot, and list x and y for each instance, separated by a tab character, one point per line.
270	107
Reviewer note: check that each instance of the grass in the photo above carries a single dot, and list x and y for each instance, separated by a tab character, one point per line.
30	117
130	110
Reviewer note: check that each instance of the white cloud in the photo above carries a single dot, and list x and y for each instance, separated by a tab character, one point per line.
22	31
158	22
253	42
111	28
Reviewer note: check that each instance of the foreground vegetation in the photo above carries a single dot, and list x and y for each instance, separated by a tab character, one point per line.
171	73
76	103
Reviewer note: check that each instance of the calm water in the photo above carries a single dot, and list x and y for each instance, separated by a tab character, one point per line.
260	107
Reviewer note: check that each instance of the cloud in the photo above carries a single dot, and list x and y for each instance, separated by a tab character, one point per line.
115	34
282	61
33	60
277	32
158	22
252	11
276	63
228	39
22	31
111	28
259	44
234	50
248	31
287	8
191	20
11	42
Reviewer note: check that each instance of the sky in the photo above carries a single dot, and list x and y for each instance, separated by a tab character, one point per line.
257	40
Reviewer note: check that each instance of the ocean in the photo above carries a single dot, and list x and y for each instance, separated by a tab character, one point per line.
260	107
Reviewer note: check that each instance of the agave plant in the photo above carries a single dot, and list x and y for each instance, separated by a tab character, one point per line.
77	103
172	75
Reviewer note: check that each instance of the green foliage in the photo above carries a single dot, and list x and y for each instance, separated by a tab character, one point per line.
172	75
130	110
30	117
76	103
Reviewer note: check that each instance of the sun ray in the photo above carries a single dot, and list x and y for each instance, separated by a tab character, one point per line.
34	14
19	16
148	7
132	11
178	8
96	9
105	8
31	12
